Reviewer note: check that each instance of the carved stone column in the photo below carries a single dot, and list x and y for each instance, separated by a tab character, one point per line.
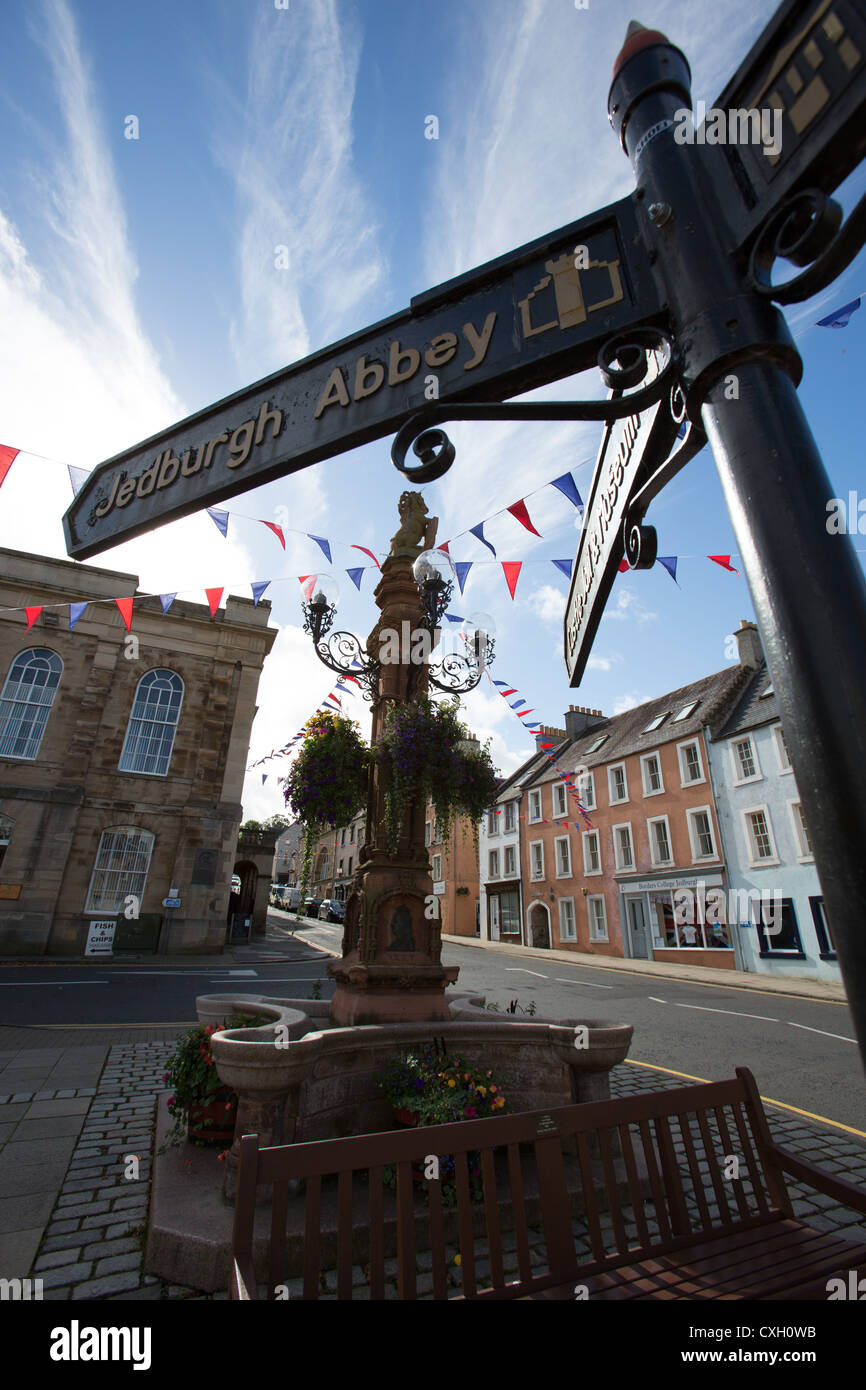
391	969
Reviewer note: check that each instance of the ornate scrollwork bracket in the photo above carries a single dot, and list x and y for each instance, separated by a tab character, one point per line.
623	362
343	653
807	230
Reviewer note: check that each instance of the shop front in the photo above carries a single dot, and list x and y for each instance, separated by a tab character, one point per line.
681	919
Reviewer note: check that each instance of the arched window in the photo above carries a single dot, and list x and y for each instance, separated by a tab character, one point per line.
6	824
152	724
122	862
26	701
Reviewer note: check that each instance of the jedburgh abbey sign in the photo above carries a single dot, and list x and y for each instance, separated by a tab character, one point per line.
539	313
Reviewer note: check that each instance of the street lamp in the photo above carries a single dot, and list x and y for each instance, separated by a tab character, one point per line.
457	672
339	651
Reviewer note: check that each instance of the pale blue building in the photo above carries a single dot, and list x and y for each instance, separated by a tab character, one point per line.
783	927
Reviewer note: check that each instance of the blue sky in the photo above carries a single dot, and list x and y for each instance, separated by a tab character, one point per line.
138	284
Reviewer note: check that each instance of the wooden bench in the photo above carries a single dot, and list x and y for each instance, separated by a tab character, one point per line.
671	1194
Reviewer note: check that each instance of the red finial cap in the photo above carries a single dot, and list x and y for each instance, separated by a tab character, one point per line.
636	38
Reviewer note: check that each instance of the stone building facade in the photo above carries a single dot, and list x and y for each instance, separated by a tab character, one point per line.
122	759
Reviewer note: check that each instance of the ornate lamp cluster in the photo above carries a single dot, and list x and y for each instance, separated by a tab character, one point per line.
455	672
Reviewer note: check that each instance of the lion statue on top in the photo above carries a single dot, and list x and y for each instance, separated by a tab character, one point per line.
417	529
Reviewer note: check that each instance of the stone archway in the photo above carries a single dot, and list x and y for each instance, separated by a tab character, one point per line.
242	902
538	921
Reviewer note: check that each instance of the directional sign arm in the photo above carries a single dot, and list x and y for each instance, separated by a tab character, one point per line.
538	314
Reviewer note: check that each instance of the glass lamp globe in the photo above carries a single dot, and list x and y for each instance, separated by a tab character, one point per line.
433	568
475	631
325	591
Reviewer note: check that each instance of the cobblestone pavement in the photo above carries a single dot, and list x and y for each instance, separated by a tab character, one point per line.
86	1235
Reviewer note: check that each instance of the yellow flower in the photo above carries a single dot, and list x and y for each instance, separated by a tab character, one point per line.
482	1090
458	1259
492	1088
452	1082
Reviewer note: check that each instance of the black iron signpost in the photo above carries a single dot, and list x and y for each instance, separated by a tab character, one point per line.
671	292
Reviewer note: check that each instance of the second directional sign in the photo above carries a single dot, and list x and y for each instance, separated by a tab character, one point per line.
539	313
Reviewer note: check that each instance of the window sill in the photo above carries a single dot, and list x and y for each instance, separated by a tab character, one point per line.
782	955
827	955
659	792
765	863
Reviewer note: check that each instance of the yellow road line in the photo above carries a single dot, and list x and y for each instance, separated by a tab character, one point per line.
849	1129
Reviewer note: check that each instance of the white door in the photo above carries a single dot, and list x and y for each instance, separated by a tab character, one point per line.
493	902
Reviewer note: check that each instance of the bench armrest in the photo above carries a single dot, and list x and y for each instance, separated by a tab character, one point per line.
242	1286
845	1192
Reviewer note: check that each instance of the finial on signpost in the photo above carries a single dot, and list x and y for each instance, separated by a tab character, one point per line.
637	36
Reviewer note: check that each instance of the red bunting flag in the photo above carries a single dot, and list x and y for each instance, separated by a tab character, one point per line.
367	552
725	562
213	598
623	565
511	569
278	532
521	714
32	615
125	606
503	693
308	584
7	458
519	512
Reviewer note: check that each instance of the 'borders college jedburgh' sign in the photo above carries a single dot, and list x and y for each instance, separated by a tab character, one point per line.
535	315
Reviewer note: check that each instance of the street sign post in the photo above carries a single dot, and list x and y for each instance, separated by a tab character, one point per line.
685	264
713	240
528	318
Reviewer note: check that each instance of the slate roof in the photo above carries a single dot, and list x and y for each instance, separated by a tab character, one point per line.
750	711
713	694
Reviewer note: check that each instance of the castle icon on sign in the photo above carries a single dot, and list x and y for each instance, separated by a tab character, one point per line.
571	307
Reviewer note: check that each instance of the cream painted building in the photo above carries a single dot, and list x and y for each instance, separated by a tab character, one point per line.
122	759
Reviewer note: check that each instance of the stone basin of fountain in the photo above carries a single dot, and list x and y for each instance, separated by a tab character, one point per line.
300	1078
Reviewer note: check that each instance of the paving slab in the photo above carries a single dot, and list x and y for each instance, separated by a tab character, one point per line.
39	1109
18	1250
55	1127
23	1212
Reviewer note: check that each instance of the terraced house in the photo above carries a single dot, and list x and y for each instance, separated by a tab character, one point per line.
646	874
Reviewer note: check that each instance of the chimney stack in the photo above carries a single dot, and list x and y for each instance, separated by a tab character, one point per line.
579	718
751	653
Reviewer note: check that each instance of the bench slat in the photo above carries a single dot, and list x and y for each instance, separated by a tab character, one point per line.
518	1212
437	1241
730	1151
406	1284
312	1226
464	1225
590	1201
671	1179
716	1175
377	1233
491	1217
751	1158
555	1205
279	1214
615	1208
683	1119
635	1195
344	1234
659	1201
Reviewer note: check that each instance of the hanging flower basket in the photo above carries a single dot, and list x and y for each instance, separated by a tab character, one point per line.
431	753
327	783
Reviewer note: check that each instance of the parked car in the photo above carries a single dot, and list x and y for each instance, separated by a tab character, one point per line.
331	911
275	897
311	906
236	883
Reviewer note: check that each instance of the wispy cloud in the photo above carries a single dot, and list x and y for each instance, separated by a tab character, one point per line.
627	606
308	251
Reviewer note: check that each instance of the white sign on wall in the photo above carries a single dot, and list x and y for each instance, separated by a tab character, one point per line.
100	938
439	888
